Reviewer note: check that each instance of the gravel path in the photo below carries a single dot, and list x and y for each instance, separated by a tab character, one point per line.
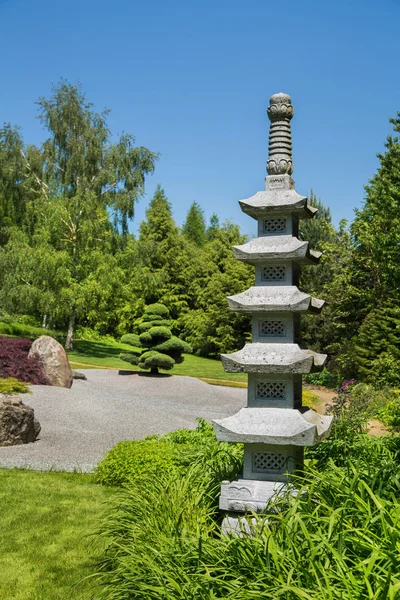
79	425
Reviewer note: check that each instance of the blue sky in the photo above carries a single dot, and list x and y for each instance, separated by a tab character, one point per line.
192	80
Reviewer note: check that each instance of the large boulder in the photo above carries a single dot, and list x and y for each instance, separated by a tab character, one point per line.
55	362
17	422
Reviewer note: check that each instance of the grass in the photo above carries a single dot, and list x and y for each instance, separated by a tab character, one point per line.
106	355
45	521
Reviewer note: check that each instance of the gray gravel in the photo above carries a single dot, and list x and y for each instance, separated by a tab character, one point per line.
81	424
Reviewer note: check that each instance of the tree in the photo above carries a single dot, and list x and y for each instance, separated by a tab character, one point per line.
378	347
162	349
213	227
83	179
209	325
376	228
194	228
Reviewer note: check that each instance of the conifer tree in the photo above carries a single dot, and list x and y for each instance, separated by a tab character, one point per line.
378	347
162	350
194	228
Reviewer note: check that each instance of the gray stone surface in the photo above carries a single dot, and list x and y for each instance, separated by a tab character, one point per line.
245	495
263	298
268	202
280	426
17	421
277	247
272	358
56	365
80	424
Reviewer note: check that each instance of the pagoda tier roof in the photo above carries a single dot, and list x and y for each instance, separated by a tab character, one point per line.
268	298
277	201
272	358
281	247
280	426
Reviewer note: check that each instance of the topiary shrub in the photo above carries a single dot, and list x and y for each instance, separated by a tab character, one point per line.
163	350
13	386
14	361
131	338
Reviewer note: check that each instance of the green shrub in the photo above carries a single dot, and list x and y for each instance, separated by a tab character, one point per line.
156	360
157	309
132	339
162	350
26	331
10	385
324	378
390	413
130	357
175	451
334	540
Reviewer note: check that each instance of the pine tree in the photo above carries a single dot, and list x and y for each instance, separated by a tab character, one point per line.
378	347
194	228
213	227
162	349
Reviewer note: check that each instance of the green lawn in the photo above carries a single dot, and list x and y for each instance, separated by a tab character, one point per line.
106	355
45	521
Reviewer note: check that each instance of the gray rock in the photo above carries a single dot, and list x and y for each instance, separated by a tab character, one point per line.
55	360
78	375
17	422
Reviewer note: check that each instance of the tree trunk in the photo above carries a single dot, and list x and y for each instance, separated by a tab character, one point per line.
70	333
154	370
44	322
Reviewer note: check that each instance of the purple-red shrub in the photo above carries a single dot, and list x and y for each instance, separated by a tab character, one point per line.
14	361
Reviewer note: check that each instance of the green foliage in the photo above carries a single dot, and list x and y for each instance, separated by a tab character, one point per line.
28	331
335	539
134	461
156	360
378	347
194	228
131	338
324	378
158	310
10	385
163	349
390	412
130	357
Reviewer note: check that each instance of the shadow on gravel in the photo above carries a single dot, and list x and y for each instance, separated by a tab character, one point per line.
143	374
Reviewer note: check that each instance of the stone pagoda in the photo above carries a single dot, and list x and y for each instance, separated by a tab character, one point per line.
274	426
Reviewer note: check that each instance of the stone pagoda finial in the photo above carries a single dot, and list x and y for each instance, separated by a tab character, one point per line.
280	112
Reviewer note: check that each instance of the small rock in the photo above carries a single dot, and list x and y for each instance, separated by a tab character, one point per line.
17	422
55	360
77	375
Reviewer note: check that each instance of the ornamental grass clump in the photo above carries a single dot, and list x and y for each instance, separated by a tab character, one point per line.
337	539
161	349
14	361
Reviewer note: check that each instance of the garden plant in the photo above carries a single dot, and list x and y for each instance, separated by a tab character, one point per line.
162	349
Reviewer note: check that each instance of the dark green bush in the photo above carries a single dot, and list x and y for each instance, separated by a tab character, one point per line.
130	357
163	350
155	360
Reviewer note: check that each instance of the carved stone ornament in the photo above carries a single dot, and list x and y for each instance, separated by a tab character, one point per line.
280	112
